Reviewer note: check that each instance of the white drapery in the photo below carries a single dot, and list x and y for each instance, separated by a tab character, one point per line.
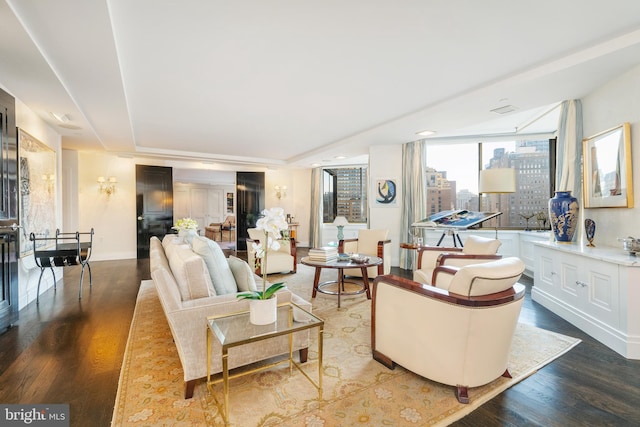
414	195
315	233
569	149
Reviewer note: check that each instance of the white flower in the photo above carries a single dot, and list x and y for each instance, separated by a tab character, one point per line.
186	224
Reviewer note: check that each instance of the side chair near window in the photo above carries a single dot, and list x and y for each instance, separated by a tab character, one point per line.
65	249
372	243
460	336
476	250
284	260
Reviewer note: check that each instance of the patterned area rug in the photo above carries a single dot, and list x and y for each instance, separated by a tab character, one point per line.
357	389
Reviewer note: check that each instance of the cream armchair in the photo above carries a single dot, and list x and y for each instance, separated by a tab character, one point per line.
372	243
476	250
284	260
460	337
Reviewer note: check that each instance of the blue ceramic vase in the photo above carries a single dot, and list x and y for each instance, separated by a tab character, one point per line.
563	213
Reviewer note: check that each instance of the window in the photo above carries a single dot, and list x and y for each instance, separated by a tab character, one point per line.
345	194
452	180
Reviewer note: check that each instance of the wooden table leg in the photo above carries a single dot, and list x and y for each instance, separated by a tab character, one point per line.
365	281
340	283
316	280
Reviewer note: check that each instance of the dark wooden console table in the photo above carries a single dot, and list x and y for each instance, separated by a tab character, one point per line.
65	249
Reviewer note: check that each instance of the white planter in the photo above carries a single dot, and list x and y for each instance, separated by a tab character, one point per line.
263	311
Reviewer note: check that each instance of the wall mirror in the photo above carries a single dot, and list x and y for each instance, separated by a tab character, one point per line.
607	179
37	168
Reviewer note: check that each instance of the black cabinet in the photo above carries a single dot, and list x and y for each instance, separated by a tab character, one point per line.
9	247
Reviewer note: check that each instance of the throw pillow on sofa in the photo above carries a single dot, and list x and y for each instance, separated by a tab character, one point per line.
190	273
245	279
219	270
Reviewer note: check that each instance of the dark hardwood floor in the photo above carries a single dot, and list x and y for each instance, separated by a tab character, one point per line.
70	351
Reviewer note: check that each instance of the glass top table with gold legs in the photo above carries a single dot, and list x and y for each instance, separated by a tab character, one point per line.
235	329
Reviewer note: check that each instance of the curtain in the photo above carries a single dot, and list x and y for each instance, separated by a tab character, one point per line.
315	233
414	196
569	149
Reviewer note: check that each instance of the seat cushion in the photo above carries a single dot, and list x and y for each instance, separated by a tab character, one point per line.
487	278
219	270
245	279
476	245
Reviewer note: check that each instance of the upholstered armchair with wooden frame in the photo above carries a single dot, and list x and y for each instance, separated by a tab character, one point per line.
459	337
476	250
284	260
372	243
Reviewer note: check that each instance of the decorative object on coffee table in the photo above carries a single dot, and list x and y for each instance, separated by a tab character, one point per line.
590	231
563	213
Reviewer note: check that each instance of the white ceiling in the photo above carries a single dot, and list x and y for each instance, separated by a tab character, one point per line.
293	82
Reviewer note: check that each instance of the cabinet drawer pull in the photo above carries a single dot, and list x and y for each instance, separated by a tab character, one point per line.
583	284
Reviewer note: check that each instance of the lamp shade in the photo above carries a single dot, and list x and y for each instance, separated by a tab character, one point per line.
340	221
498	180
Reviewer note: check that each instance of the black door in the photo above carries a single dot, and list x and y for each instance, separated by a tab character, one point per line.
250	193
154	204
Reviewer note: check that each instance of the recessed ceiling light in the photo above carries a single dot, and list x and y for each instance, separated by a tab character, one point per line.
341	157
504	109
61	118
426	132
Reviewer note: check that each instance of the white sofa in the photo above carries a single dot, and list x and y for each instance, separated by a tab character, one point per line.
195	281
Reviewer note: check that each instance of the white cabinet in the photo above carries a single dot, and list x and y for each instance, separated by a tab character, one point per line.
594	289
526	253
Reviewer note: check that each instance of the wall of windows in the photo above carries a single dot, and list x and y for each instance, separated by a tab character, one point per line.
345	194
452	180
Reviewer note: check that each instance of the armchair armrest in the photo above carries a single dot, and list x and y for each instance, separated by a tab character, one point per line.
432	253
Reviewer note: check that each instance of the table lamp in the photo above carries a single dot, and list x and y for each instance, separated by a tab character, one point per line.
340	222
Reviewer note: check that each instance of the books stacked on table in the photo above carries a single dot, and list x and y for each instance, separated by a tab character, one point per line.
323	254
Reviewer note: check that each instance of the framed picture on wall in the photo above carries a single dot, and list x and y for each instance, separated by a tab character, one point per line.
385	192
607	177
229	202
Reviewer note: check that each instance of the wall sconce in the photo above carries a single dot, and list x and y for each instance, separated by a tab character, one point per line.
340	222
108	185
281	191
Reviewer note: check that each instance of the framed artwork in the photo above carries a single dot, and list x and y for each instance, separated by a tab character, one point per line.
607	178
229	202
385	192
37	184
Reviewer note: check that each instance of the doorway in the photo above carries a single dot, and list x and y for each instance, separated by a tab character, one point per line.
154	205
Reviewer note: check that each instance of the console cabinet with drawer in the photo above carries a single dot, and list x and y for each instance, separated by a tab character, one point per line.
596	289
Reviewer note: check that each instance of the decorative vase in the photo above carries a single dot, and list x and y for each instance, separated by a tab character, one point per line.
563	214
590	231
263	311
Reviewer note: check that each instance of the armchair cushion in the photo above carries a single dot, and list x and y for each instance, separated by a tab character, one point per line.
219	271
278	261
368	243
487	278
477	245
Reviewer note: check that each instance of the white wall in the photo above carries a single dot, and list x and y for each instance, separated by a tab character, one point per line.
297	202
385	161
612	104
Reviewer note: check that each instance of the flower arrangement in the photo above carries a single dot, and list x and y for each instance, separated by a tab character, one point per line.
272	223
185	224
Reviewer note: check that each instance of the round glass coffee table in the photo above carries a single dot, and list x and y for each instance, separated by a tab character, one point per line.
326	287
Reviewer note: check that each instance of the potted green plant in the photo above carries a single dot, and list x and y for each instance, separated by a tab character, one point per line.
263	304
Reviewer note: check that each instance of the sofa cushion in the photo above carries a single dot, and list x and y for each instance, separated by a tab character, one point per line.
219	270
190	273
242	273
